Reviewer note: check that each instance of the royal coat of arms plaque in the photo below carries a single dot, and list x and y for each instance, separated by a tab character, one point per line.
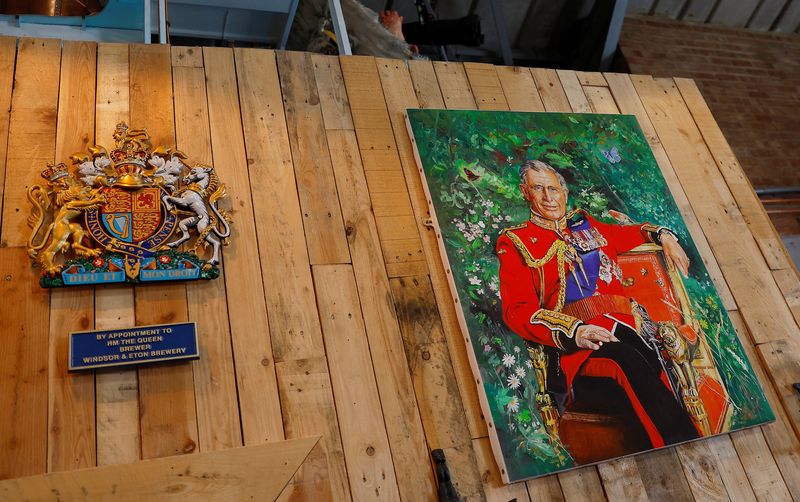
127	216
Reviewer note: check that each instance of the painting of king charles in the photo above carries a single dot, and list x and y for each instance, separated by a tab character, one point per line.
562	290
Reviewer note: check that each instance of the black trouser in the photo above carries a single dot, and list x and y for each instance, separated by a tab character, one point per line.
641	372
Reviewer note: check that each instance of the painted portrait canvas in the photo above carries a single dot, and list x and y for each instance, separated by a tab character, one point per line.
596	331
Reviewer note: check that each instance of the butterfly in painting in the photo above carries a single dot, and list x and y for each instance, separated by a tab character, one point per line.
611	155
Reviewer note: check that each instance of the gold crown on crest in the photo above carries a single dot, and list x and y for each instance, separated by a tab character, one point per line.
130	154
55	171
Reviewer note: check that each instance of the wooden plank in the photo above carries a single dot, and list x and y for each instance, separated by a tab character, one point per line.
781	437
600	99
234	474
398	88
307	487
669	8
304	387
752	210
731	469
581	484
454	86
366	447
662	475
790	288
322	217
71	407
400	412
629	103
592	78
735	249
780	359
493	485
308	409
701	471
189	57
485	85
545	489
117	392
426	85
762	471
119	439
332	94
257	385
432	371
519	89
550	90
23	367
293	322
218	423
166	392
734	13
8	56
574	91
766	14
32	131
622	480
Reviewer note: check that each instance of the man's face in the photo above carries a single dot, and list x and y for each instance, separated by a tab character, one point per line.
545	194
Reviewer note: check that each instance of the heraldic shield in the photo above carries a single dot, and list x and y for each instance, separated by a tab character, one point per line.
118	219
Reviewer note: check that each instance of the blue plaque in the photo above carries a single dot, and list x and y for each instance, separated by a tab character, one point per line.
142	344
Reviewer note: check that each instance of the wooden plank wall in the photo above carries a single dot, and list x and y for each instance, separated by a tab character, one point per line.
333	317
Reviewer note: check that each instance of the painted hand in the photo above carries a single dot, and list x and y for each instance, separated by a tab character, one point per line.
592	337
674	253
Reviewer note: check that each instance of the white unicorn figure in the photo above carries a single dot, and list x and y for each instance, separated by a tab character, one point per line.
199	183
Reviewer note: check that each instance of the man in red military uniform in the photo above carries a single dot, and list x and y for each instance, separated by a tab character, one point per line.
562	288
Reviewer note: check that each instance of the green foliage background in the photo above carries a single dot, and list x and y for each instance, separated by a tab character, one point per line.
471	162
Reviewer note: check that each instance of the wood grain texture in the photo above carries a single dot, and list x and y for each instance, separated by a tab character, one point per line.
485	86
234	474
752	210
166	392
8	56
32	131
398	401
71	406
366	447
322	217
400	95
256	383
519	89
740	260
218	423
23	367
294	325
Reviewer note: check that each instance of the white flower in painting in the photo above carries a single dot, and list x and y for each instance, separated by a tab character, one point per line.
513	405
513	382
471	211
509	360
480	291
520	371
516	349
529	364
493	286
489	203
481	224
487	348
507	218
485	238
474	281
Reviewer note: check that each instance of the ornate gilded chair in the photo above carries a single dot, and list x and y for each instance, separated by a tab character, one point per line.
612	430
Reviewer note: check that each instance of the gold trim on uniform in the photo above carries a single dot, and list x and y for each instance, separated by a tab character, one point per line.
557	323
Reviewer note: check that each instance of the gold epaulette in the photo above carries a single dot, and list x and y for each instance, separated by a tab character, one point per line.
562	326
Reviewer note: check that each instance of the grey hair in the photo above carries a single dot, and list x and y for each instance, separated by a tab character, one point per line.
540	167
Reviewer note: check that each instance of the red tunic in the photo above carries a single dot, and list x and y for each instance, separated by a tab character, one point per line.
530	287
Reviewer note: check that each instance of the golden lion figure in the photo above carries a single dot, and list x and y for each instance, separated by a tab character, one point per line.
70	200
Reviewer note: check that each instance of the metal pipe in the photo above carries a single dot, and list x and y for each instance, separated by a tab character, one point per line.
778	190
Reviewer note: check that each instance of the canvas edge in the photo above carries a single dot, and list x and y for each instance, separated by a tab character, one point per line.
462	322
